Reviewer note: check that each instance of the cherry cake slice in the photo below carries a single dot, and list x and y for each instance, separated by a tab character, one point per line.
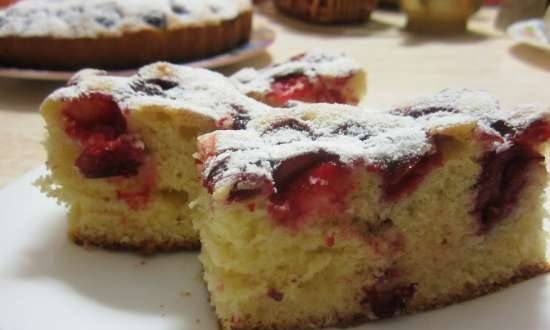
120	152
322	217
313	77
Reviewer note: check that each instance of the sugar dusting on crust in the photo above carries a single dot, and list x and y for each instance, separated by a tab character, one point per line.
179	88
313	64
353	136
95	18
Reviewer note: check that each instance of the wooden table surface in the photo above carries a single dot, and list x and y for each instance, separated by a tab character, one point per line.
400	65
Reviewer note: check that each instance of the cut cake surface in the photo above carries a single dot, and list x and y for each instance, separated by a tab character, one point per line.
322	217
120	151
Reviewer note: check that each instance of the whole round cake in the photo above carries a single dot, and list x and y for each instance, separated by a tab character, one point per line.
116	34
328	11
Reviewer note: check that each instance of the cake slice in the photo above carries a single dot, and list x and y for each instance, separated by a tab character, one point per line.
315	76
120	152
321	217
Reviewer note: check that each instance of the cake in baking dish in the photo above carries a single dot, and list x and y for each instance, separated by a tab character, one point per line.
315	76
120	152
321	217
328	11
111	34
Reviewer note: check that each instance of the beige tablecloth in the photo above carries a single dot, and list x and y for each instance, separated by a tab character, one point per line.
400	65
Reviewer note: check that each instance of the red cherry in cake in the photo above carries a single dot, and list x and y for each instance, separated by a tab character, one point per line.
103	158
504	174
94	114
320	188
302	88
386	303
503	177
402	178
537	133
98	124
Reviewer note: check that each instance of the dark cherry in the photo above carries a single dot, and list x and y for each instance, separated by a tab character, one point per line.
162	83
422	112
290	123
503	177
386	303
352	129
504	173
142	86
240	117
179	9
103	158
402	178
157	20
98	124
275	295
217	169
107	22
503	128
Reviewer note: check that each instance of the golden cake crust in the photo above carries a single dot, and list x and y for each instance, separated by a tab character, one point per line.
145	247
127	50
329	11
468	293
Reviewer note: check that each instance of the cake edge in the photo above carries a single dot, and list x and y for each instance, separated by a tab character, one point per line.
146	248
469	293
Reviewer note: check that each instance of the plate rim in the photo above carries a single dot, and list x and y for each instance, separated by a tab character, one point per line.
512	32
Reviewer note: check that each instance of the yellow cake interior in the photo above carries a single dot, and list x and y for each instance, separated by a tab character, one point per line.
96	213
375	259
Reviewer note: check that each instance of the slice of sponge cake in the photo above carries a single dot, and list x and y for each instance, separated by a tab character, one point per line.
321	217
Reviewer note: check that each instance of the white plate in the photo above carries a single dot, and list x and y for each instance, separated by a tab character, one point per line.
48	283
531	32
261	39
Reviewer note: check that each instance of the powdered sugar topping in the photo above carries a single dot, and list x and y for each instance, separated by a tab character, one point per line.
349	135
95	18
179	88
313	64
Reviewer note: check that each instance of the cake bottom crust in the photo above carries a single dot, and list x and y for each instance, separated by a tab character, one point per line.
346	321
128	51
147	247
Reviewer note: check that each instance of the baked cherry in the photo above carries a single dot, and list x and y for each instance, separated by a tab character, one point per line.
302	88
317	188
504	172
93	114
503	177
402	178
103	158
97	122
